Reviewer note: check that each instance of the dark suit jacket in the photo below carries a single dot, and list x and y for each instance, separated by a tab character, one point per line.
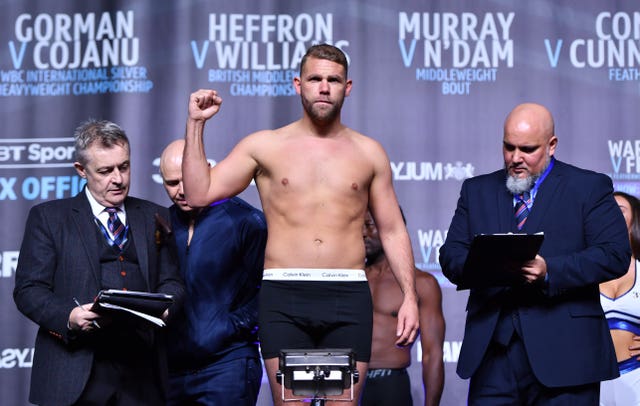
585	242
59	260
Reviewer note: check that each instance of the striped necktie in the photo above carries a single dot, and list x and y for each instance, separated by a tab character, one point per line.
116	227
522	211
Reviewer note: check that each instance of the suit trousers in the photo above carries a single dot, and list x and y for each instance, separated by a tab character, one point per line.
505	378
115	384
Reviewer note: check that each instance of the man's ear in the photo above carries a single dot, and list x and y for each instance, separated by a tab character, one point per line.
296	84
80	169
347	87
553	143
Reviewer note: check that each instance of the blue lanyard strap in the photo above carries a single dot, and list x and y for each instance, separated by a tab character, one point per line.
536	186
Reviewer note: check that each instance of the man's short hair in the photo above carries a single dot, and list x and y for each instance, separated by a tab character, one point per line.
327	52
105	132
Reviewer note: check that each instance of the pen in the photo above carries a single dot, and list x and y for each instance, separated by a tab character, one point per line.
95	323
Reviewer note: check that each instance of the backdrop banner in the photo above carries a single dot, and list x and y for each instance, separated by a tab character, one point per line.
432	81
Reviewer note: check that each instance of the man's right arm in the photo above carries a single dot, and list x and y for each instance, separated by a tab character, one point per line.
203	104
204	185
34	284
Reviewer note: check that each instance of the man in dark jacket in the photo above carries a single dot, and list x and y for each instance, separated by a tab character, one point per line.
213	350
531	336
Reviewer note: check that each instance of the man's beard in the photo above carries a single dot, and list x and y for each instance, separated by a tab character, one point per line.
518	186
322	115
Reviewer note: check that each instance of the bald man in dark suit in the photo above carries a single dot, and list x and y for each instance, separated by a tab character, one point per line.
542	339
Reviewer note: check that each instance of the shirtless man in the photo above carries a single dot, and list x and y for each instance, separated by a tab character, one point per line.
387	379
316	178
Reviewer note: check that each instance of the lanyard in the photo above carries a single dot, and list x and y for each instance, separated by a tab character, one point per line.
536	186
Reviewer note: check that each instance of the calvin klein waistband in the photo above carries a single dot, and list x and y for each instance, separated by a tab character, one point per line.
314	274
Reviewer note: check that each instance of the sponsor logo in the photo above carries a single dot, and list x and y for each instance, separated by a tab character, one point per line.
16	358
40	187
431	171
16	153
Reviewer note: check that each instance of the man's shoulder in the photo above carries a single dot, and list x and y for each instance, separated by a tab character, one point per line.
581	180
426	283
563	167
363	138
260	134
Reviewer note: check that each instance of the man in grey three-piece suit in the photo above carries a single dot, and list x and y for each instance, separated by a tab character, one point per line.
72	248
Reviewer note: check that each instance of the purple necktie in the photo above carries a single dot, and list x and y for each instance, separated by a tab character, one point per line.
116	227
522	211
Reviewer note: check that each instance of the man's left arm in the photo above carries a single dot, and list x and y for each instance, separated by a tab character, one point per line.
432	328
606	254
396	244
398	248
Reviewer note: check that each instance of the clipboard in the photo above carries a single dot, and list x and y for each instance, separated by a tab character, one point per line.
489	256
148	306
